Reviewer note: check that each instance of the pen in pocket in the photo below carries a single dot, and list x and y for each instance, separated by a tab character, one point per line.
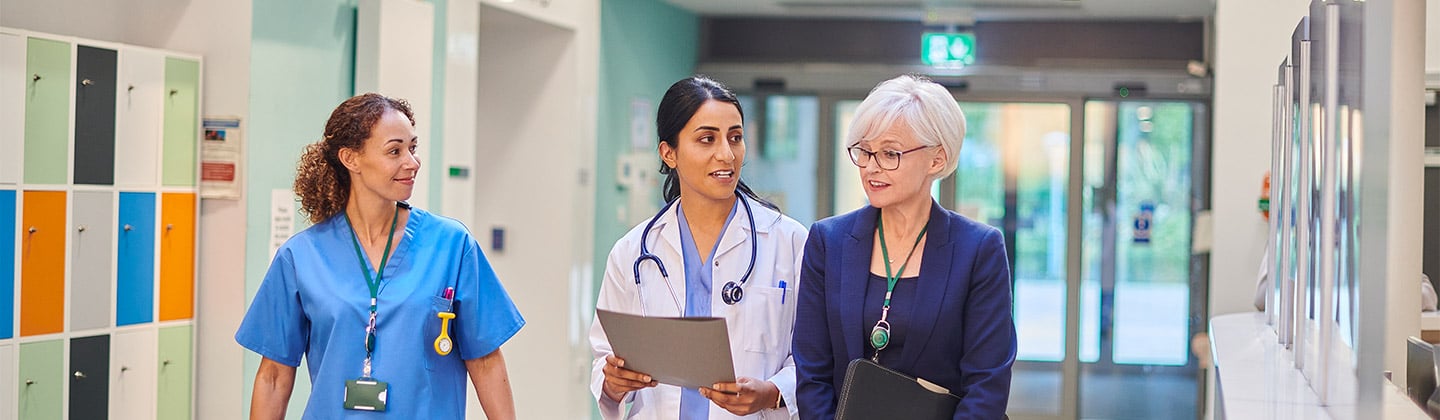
783	291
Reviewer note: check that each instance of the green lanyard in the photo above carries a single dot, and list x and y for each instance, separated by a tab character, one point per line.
880	335
373	283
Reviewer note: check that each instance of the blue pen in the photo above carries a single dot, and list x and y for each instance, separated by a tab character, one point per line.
782	292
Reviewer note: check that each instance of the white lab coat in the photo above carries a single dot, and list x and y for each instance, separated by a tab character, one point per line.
760	325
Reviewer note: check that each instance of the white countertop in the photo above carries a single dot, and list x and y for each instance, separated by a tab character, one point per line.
1430	321
1256	378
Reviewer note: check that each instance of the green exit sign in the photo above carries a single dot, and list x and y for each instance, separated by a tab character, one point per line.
947	49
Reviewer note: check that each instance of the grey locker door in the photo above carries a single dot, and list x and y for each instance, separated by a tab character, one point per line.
93	233
89	377
94	115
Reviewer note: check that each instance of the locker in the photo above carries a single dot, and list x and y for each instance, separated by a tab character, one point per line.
173	383
89	381
42	263
182	131
40	380
7	264
177	256
94	115
47	111
138	105
132	375
12	107
92	231
135	259
7	382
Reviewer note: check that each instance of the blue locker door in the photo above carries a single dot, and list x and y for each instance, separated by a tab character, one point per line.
7	264
135	262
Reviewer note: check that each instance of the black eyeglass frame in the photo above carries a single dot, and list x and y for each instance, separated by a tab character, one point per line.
856	152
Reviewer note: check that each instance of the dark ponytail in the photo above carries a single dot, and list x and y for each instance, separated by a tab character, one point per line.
680	103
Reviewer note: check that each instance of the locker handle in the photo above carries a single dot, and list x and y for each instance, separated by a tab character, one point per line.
29	382
79	374
124	368
131	88
169	226
166	362
86	82
33	229
81	228
174	92
36	78
128	227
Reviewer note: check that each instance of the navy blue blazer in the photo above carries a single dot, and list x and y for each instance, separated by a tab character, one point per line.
962	336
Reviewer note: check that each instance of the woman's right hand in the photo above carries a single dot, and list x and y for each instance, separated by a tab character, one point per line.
620	381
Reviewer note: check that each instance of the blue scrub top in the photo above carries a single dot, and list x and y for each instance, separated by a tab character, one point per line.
314	302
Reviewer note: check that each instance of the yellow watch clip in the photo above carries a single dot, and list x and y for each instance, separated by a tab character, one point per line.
443	345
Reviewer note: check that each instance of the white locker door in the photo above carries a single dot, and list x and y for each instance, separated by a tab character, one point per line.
139	104
7	382
132	375
12	108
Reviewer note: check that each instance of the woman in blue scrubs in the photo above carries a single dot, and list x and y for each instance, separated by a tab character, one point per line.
392	307
715	237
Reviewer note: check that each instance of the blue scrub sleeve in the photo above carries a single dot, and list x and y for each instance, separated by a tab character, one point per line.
275	326
485	316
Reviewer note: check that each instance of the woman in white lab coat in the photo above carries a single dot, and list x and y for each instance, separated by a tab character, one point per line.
703	237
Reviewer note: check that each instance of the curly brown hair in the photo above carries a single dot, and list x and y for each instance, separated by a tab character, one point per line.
321	181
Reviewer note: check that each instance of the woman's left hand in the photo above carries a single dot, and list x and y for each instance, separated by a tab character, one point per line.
743	397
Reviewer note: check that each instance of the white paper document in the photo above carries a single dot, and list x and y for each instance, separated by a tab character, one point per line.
685	352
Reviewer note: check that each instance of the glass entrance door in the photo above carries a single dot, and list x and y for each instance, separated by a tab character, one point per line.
1137	306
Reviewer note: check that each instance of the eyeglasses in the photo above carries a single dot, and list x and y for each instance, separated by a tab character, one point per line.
887	159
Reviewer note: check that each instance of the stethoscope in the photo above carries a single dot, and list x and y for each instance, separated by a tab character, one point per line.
731	293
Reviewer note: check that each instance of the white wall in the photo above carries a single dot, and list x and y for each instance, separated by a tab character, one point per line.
534	153
219	30
1251	37
1432	37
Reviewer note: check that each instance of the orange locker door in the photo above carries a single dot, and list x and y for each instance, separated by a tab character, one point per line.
42	263
177	256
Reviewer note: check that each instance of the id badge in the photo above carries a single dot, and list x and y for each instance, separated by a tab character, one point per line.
365	394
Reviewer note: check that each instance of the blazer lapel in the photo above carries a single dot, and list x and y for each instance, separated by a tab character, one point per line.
854	273
935	278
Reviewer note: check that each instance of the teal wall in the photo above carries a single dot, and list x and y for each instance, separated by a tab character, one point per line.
302	64
645	45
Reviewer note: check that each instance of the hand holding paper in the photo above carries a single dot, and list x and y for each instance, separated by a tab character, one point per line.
620	381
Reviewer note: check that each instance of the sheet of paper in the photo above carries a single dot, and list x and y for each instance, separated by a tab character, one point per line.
686	352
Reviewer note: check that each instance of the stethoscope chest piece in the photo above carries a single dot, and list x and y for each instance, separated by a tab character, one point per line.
732	293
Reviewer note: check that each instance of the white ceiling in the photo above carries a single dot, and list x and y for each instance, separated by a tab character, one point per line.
959	11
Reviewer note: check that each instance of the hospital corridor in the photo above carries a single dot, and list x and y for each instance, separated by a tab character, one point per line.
699	209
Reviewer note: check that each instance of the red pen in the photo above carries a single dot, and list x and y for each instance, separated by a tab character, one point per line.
449	293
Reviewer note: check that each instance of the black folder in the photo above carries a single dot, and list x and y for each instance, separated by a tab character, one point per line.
872	391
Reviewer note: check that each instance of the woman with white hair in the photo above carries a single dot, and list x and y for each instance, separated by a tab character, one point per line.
904	282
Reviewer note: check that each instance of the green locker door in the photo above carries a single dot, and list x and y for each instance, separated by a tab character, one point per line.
47	111
173	385
182	95
41	380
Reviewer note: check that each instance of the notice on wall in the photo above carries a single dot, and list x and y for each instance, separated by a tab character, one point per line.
282	218
220	149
